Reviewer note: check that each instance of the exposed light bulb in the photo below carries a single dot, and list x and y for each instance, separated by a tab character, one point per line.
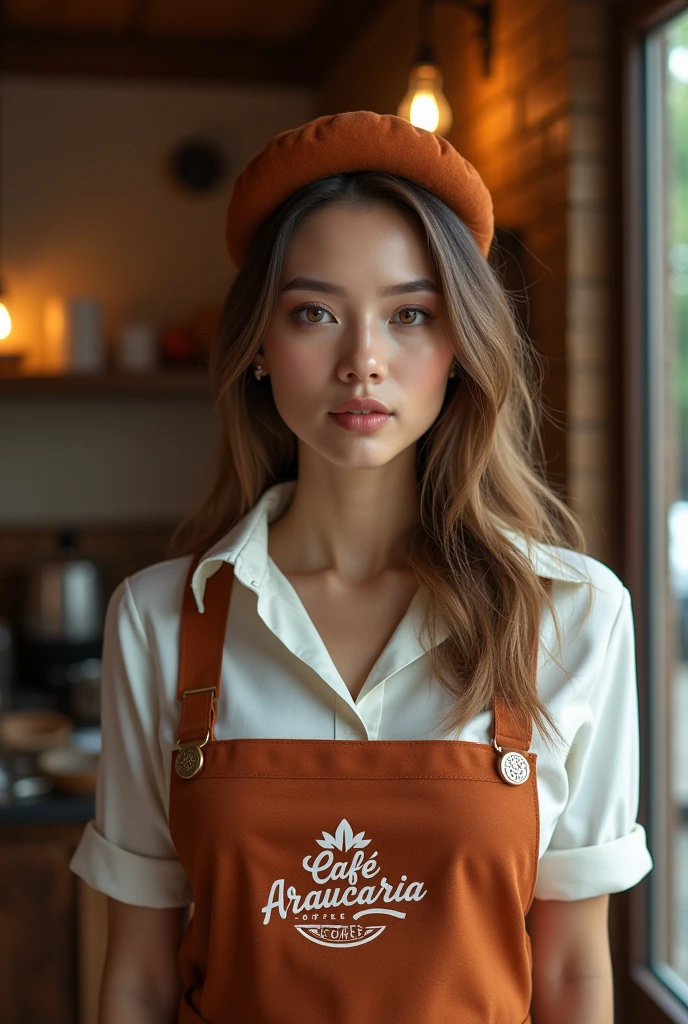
424	103
5	321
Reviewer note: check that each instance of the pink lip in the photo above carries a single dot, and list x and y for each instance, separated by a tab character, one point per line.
364	404
359	422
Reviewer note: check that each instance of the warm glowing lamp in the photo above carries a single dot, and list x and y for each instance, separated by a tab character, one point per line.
9	359
424	103
5	321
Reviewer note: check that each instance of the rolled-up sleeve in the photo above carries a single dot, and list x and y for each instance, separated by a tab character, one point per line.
126	851
597	846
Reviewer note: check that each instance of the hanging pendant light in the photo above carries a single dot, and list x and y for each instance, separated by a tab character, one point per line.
5	318
424	103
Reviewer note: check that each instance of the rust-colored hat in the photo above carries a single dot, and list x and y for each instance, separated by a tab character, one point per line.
356	140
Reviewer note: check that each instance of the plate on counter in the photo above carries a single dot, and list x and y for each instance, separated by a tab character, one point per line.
72	770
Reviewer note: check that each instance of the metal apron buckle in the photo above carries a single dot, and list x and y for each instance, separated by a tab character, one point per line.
513	765
189	759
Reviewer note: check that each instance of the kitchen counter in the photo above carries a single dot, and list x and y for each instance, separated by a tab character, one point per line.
52	805
51	808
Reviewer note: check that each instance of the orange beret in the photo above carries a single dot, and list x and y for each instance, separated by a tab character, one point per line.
356	140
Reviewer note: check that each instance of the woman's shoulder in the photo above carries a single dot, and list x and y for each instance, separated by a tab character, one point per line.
589	597
568	566
156	590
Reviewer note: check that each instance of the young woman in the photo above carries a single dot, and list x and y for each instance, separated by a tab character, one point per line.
318	712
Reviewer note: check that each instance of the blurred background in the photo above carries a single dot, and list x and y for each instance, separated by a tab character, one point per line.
122	127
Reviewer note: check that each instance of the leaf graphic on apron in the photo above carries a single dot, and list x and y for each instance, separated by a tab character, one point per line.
343	839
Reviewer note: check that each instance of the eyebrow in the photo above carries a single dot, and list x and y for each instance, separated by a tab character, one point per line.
421	284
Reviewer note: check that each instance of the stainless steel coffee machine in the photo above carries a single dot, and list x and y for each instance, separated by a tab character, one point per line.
63	616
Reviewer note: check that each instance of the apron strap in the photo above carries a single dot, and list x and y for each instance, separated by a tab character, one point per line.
513	730
200	666
201	647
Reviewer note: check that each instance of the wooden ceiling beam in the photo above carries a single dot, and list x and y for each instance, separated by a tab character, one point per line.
333	32
135	56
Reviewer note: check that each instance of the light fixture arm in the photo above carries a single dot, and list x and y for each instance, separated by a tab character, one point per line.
482	11
2	289
425	33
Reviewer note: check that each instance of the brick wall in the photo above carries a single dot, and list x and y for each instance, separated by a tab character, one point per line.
515	127
594	343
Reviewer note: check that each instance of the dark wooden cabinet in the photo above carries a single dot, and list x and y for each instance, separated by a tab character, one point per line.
52	928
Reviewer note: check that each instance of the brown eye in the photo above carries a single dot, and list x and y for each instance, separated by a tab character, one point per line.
411	312
420	316
315	309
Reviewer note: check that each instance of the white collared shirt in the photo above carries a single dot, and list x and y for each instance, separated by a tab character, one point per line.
278	680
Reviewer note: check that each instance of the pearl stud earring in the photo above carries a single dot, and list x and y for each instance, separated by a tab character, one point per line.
258	372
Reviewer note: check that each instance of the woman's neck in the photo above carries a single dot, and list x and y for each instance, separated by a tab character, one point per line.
353	523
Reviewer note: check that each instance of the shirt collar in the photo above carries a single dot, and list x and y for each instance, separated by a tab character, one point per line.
246	547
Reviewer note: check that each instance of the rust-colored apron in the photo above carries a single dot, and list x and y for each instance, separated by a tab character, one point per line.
348	881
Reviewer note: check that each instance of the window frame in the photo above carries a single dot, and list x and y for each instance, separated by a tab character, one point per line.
649	995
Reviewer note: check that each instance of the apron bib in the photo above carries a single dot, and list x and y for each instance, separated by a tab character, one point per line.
348	881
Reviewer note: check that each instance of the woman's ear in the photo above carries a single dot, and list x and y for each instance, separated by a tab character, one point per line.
259	365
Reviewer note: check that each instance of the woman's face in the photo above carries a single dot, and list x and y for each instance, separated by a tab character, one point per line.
359	315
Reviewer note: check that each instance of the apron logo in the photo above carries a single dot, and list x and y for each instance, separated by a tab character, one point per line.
317	905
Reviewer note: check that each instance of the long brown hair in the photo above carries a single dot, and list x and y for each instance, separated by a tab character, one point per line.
479	464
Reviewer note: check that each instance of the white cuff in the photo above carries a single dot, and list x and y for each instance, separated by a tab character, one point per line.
594	870
129	877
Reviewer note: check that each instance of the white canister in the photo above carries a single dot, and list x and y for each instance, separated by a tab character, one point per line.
85	349
136	348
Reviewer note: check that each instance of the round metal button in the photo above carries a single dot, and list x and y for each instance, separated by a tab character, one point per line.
188	761
514	768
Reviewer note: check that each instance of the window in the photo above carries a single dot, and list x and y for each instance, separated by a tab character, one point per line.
663	458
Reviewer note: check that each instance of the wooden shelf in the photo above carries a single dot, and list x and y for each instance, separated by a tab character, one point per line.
162	382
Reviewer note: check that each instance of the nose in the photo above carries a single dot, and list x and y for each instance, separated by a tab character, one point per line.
364	355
